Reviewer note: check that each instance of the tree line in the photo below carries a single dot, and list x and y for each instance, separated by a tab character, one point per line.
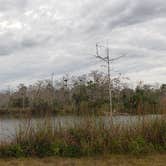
87	93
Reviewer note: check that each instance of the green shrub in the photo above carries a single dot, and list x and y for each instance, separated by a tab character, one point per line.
115	146
57	149
140	146
13	151
71	151
43	149
159	148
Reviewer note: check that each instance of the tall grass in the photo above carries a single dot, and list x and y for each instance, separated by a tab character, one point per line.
88	137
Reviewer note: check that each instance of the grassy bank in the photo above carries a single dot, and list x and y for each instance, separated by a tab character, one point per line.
86	138
118	160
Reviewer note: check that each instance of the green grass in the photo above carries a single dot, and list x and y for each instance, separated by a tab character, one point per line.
87	138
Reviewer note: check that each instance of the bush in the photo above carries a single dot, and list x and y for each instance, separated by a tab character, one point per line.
140	146
115	146
12	151
43	149
57	149
71	151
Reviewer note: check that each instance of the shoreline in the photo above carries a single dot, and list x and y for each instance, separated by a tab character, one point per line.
29	112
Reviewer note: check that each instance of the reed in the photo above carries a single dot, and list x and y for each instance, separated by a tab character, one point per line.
85	138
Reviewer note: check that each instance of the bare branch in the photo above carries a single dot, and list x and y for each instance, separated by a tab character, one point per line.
113	59
102	58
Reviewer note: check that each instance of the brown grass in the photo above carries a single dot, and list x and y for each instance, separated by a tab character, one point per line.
112	160
86	138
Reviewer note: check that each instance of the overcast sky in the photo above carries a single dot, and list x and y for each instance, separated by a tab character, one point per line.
38	37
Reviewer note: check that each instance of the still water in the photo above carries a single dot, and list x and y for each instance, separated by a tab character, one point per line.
9	125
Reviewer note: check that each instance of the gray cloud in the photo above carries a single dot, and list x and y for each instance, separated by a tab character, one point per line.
40	37
123	13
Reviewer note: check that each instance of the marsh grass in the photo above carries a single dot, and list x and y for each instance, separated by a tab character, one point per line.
88	137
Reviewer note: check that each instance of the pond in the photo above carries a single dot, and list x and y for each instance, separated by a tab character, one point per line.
9	125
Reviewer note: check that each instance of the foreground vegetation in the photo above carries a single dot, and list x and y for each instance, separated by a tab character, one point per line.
86	138
118	160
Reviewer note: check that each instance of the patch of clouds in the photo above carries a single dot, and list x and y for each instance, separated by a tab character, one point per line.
40	37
